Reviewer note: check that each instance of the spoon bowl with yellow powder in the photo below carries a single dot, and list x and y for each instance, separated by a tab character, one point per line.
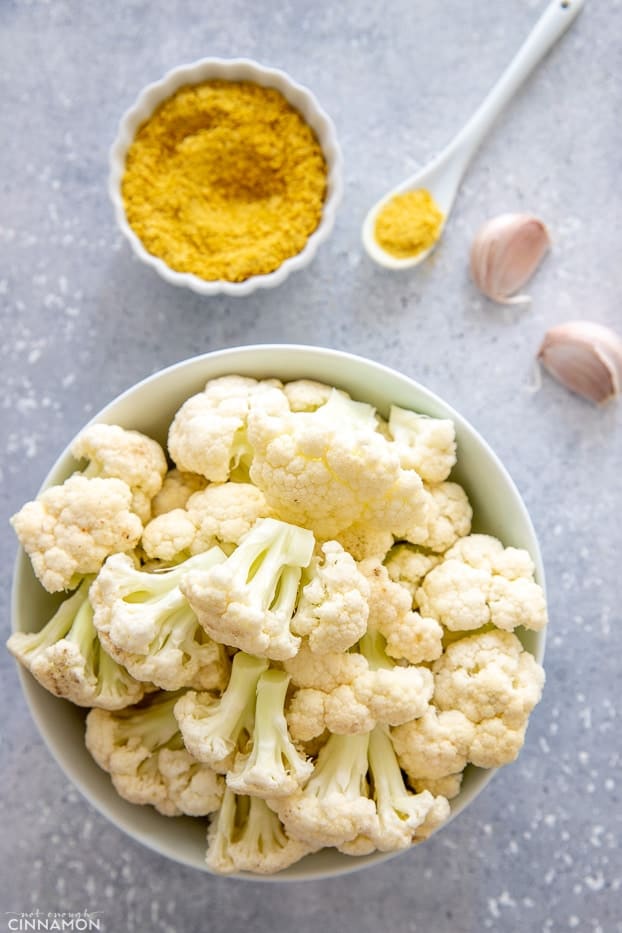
403	227
225	176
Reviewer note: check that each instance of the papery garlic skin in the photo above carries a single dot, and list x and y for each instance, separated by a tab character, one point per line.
505	253
585	357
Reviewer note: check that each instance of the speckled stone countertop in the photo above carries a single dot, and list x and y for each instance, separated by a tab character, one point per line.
82	320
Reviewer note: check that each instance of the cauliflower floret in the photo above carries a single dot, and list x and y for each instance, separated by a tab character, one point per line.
142	750
334	806
350	693
220	515
225	512
67	658
363	541
177	487
208	434
488	553
448	786
408	634
306	715
480	581
169	537
393	694
435	745
306	394
145	623
456	595
427	445
438	814
449	516
329	468
193	788
273	766
246	835
496	742
333	608
356	799
244	732
248	601
69	531
402	817
324	672
488	675
407	565
216	728
128	455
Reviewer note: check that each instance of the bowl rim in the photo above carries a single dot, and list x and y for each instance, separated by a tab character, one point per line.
204	69
30	686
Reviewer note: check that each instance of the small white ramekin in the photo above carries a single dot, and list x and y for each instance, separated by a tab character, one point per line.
236	69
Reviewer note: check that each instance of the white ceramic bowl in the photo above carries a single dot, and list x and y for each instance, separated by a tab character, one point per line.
149	406
237	69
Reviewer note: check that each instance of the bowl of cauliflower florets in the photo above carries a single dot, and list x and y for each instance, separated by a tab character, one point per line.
279	611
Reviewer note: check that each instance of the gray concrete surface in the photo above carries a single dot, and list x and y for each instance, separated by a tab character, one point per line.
82	320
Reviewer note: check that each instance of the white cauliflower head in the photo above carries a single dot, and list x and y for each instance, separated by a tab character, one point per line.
216	728
306	394
146	624
449	517
488	675
408	564
363	541
219	515
329	468
272	766
208	434
333	807
246	835
69	530
248	601
142	750
128	455
435	745
67	658
479	581
333	607
427	445
349	693
408	634
177	487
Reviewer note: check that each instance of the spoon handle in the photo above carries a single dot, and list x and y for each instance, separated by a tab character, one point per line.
551	26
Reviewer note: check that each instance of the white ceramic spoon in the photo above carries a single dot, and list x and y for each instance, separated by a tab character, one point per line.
443	175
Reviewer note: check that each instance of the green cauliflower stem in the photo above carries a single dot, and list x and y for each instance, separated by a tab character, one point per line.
146	624
215	728
67	658
246	835
248	601
273	767
142	750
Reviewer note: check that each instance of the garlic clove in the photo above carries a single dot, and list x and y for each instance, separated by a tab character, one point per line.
585	357
505	253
